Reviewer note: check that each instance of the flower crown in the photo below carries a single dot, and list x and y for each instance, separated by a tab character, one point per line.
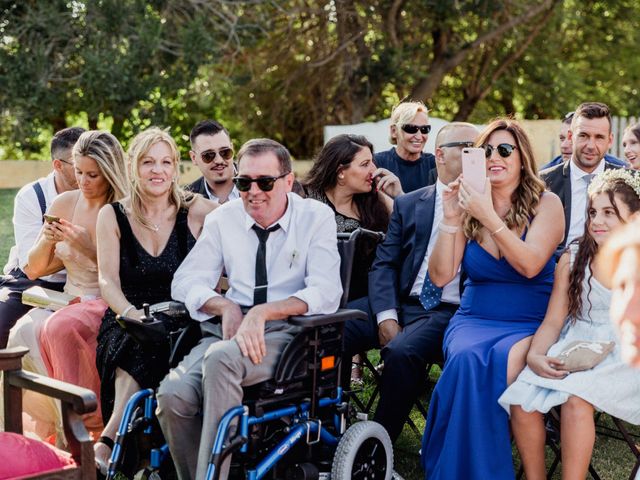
630	177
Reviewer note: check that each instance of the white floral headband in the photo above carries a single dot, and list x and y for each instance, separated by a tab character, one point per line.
627	176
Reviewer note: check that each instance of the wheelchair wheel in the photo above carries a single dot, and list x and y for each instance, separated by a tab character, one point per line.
364	451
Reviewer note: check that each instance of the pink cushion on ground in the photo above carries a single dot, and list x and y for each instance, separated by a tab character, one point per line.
21	456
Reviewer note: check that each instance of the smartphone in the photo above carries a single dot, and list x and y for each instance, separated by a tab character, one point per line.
51	218
474	168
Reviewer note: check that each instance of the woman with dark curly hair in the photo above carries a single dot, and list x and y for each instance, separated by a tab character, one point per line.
578	312
344	177
504	238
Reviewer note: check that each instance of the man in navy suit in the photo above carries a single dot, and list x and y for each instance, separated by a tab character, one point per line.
566	146
591	136
409	334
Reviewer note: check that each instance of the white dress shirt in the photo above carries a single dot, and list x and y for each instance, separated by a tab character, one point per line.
579	199
451	291
301	256
27	222
233	194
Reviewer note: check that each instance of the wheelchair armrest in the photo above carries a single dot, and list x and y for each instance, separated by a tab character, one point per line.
82	400
342	315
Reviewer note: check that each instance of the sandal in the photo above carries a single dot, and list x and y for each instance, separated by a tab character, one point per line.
102	466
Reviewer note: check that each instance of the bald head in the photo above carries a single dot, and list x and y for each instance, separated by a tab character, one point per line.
450	141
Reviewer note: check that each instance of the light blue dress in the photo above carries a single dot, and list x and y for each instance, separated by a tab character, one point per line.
611	386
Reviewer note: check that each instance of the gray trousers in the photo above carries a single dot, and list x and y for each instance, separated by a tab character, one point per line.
195	395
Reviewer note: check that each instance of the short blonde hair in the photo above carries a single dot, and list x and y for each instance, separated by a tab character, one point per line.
105	149
140	146
404	113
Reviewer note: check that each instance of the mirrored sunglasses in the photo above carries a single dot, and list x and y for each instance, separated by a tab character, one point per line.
209	156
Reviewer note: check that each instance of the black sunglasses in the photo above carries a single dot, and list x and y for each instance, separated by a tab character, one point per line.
457	144
504	150
264	183
209	156
411	129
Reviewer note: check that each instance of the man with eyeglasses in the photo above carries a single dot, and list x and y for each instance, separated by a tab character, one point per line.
409	131
566	149
281	258
591	136
402	322
30	204
212	152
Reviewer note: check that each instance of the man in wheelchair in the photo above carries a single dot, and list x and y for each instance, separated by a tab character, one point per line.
280	257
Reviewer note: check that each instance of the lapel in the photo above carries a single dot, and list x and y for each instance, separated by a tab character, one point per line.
424	213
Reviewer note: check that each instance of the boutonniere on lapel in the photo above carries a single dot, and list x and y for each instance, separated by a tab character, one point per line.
294	257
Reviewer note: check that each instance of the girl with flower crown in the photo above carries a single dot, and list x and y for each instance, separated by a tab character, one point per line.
578	312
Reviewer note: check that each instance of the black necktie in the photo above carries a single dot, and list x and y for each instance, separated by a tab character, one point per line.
260	289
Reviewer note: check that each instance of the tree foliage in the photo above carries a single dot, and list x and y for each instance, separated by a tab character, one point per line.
286	68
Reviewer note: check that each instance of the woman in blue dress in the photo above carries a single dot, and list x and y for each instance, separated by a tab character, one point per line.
504	238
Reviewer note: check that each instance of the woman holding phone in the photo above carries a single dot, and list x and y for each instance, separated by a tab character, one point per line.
504	238
68	240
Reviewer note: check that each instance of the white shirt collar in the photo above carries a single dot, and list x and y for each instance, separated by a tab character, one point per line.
577	173
233	194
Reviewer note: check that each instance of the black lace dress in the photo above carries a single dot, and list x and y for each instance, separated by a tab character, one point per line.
144	279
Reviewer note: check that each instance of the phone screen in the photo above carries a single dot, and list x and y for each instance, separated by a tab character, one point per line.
51	218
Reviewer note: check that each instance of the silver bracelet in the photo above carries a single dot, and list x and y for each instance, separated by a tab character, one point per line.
126	310
448	228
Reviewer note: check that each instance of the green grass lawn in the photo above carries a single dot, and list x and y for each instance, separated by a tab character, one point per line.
6	227
612	458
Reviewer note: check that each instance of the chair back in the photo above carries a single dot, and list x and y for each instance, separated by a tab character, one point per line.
347	246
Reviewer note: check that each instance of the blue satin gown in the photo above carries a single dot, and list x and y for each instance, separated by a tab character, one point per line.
467	432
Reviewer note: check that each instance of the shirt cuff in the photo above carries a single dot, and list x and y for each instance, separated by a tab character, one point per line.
194	301
391	314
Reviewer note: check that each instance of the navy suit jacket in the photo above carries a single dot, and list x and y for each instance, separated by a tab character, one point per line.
399	257
558	180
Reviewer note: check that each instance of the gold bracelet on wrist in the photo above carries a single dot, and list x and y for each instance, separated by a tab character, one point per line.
503	227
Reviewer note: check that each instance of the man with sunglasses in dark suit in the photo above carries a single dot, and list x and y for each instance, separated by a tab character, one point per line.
281	257
212	152
403	323
591	136
409	131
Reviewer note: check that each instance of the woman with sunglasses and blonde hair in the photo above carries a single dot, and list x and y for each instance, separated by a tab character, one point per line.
142	241
409	131
504	238
68	240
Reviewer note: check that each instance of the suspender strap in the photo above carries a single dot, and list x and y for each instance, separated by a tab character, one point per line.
41	200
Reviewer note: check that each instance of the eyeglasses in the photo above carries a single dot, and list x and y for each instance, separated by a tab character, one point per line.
569	116
264	183
457	144
65	161
504	150
411	129
209	156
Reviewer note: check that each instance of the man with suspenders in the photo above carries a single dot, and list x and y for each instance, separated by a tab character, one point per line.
30	205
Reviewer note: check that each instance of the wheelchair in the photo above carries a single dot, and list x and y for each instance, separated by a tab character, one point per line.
297	425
